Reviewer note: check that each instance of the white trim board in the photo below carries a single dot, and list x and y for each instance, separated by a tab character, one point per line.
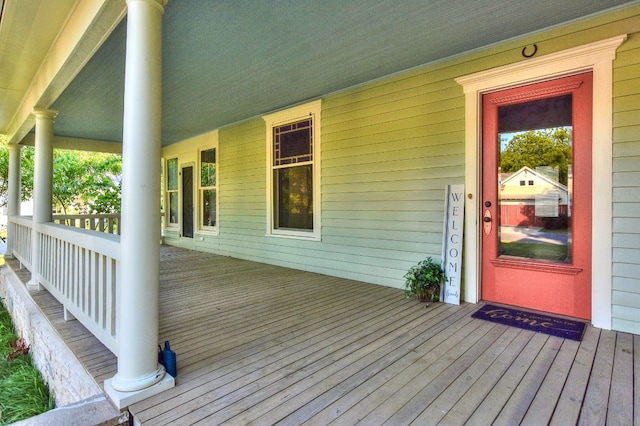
596	57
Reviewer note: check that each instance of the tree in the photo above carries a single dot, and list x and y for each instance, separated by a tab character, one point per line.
535	148
84	182
102	183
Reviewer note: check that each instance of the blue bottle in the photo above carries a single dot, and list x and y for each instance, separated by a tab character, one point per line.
169	359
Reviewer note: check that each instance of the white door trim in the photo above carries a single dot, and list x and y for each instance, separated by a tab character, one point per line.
596	57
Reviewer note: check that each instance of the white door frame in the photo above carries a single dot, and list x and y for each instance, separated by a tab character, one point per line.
596	57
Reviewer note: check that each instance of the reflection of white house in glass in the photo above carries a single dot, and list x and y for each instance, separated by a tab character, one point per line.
530	198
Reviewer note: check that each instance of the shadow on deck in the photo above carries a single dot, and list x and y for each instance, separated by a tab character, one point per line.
264	344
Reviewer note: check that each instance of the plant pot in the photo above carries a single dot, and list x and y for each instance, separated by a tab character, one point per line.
429	294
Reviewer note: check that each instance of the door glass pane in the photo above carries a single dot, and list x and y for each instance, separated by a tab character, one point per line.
535	179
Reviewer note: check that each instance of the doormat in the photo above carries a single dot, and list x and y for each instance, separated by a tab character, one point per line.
541	323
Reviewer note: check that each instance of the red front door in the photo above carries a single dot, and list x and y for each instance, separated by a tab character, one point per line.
536	196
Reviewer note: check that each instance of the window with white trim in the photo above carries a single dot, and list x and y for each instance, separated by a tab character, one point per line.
208	189
293	181
172	192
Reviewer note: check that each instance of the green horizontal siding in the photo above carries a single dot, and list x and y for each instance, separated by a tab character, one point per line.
626	186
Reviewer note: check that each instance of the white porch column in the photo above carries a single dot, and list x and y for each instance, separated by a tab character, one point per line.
42	183
138	368
13	191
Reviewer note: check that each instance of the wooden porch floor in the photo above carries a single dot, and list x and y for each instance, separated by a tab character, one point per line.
260	344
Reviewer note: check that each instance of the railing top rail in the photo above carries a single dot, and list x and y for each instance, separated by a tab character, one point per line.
87	216
99	242
21	220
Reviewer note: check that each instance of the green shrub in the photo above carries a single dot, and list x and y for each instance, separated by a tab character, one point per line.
23	392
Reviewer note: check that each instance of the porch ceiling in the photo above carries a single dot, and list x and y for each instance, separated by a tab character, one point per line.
226	61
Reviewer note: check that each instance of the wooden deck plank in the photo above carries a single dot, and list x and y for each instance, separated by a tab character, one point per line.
366	383
420	377
271	310
571	399
620	405
235	360
252	332
230	369
286	323
410	411
262	344
329	353
471	400
518	404
405	370
548	394
491	406
231	311
314	395
344	365
463	381
594	409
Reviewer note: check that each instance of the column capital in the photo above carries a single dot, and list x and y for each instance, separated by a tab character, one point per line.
45	113
14	146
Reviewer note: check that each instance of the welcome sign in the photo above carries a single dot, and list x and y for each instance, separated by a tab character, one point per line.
452	242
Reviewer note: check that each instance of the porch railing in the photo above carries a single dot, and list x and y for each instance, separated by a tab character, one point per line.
19	227
109	223
79	267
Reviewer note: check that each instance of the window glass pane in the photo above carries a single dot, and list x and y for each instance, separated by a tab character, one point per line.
172	174
293	143
173	207
294	197
209	207
208	168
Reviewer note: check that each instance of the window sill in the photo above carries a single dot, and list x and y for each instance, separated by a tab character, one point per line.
208	232
295	235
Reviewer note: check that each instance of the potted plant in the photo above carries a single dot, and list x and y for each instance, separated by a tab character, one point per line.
424	280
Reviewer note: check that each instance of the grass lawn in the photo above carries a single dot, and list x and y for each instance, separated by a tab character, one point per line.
23	392
538	251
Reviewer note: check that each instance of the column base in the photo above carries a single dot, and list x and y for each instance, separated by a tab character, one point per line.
34	285
124	399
